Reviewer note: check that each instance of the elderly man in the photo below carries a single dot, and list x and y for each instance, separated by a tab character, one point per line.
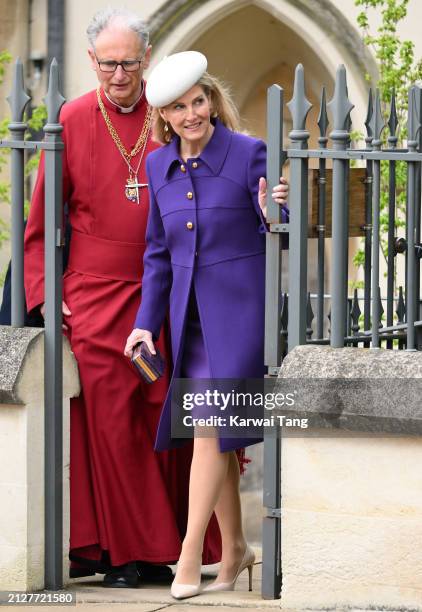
128	503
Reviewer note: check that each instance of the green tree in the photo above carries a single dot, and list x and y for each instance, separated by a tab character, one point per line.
397	71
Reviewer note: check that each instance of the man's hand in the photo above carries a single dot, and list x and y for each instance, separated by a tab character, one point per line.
65	310
279	194
139	335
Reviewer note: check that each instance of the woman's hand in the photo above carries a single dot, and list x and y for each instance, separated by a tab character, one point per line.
279	194
139	335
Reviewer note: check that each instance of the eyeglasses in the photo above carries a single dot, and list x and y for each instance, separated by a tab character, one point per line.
127	65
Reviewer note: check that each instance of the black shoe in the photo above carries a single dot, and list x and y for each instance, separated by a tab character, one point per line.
149	572
88	567
122	577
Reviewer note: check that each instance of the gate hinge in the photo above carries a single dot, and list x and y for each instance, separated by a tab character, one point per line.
273	512
279	228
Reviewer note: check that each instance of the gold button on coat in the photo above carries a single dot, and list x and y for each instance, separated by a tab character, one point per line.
195	165
189	225
189	195
183	168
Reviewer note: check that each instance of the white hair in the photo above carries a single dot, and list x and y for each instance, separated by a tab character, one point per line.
105	17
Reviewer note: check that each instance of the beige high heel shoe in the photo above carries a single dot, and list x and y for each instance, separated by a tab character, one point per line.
247	562
183	591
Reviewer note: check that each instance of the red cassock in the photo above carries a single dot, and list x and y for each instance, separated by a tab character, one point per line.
125	498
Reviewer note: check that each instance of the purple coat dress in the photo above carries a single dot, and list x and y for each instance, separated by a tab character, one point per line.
205	257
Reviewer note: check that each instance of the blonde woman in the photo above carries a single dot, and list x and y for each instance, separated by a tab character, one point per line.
205	258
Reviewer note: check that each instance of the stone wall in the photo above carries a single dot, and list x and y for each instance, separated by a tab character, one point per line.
22	456
352	500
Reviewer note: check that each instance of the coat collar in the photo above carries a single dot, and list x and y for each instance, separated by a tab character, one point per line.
118	109
213	155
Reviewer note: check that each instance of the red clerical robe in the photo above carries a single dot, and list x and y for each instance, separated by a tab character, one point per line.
125	498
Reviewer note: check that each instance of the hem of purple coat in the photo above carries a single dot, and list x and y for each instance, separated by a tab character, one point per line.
230	444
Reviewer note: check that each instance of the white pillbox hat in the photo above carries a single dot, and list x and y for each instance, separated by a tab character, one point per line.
174	76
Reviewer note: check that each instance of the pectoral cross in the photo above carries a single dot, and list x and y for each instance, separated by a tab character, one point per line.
132	189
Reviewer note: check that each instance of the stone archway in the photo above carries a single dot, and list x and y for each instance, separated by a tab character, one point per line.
246	39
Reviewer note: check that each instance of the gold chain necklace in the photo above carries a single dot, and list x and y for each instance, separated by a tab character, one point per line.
132	185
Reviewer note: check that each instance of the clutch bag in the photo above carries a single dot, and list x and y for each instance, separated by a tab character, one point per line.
150	367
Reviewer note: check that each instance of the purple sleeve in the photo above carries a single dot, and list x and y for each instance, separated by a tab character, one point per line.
257	168
157	277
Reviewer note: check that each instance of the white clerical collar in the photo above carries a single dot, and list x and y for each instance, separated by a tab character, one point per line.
125	109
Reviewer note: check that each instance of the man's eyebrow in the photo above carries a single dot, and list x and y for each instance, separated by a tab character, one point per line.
128	59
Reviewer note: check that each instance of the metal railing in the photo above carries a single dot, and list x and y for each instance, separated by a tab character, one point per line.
355	320
52	147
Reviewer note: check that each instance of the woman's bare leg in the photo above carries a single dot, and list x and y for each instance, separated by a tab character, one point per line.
229	516
208	474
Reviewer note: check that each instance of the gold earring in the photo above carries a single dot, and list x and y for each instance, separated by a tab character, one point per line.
167	133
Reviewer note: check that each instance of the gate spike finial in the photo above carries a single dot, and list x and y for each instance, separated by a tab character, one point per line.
377	121
401	306
355	312
369	114
323	117
309	317
54	99
18	98
284	316
340	105
413	122
299	106
393	120
380	308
